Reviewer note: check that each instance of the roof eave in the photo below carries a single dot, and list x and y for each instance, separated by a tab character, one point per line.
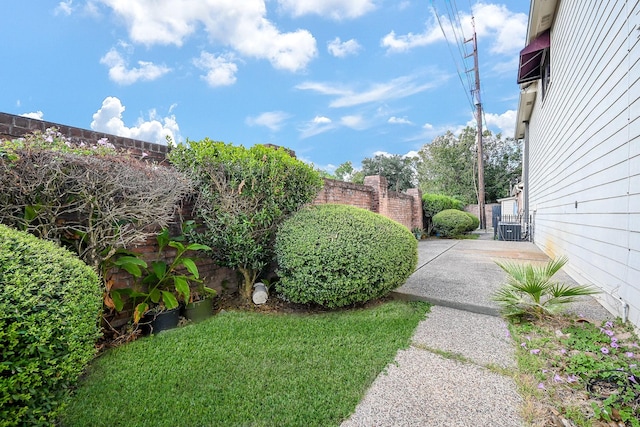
541	15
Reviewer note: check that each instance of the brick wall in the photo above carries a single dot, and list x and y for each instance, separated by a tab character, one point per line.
373	195
345	193
487	209
12	126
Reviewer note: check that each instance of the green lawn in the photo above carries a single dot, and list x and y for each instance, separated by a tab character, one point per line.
246	369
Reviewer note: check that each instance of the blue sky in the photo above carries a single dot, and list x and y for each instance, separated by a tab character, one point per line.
334	80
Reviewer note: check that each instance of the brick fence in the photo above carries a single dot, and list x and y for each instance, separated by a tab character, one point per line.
373	195
12	126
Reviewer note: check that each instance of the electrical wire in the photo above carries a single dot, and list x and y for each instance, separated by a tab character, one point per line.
453	56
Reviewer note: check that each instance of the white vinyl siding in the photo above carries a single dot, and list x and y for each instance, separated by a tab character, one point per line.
585	148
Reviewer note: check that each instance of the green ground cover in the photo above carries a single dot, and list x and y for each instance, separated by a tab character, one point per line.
246	369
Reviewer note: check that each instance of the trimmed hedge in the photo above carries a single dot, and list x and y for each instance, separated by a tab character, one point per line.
337	255
50	303
451	223
435	203
475	221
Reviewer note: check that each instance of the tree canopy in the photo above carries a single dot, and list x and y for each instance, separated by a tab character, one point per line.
399	170
449	166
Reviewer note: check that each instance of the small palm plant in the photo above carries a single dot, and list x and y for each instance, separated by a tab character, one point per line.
530	290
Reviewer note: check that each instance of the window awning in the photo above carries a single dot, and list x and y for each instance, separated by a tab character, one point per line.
531	58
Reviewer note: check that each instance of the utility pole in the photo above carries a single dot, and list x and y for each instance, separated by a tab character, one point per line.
478	102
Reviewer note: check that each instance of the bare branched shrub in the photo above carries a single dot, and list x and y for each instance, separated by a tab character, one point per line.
94	199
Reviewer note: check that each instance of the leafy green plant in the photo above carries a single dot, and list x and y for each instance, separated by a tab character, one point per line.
336	255
243	195
587	372
531	290
475	221
162	283
451	223
49	309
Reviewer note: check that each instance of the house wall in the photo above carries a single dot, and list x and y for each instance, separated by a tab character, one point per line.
584	188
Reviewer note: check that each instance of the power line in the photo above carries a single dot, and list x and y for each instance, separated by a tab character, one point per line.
453	56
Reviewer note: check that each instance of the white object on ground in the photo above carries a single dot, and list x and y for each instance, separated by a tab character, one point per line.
260	293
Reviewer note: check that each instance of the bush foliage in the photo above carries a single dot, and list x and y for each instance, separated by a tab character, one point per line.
49	308
475	221
452	222
435	203
93	199
337	255
243	195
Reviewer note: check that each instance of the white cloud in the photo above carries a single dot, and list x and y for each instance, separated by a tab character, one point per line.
119	73
271	119
506	29
505	122
334	9
38	115
409	41
108	119
356	122
400	87
64	8
340	49
242	26
399	120
220	70
321	120
318	125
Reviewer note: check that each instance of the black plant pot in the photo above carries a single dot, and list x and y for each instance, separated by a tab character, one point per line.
161	321
198	311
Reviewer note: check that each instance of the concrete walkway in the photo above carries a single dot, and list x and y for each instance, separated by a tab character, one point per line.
471	386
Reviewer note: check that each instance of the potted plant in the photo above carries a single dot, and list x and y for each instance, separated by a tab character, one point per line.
200	305
159	288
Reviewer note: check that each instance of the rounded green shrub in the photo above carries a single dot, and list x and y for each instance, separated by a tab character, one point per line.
337	255
451	223
475	221
433	203
50	303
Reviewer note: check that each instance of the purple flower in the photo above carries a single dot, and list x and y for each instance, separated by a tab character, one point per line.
541	386
628	354
614	344
614	339
563	351
609	324
523	345
557	378
633	379
608	332
572	379
535	351
604	350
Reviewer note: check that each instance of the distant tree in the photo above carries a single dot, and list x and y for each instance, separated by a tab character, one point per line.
345	171
399	171
449	165
503	166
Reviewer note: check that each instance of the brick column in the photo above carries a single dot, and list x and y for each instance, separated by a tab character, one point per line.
416	208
